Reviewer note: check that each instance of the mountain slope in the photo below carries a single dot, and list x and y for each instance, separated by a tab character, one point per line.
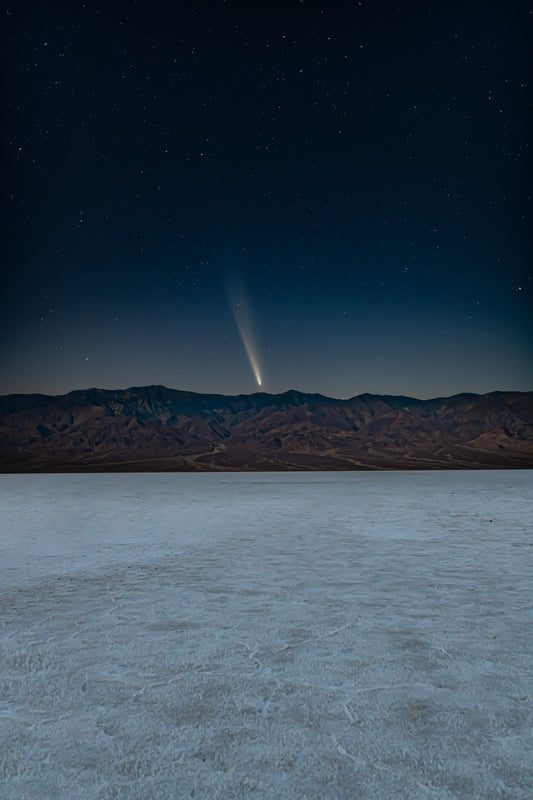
155	428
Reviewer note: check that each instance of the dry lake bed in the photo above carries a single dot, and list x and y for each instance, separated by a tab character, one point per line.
302	636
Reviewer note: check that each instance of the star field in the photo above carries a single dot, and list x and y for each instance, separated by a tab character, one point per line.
360	169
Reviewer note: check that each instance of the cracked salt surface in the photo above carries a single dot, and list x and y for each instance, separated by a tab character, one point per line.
271	636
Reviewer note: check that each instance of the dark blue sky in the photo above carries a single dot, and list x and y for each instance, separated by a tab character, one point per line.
356	174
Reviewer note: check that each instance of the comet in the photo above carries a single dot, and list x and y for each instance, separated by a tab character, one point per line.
241	313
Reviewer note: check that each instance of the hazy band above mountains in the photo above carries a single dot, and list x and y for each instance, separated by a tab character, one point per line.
159	429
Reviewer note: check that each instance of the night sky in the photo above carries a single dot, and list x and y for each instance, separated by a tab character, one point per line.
344	184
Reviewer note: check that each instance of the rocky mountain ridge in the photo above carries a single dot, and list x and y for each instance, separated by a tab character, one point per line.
158	429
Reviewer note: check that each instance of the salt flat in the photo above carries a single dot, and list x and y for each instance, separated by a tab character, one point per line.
327	636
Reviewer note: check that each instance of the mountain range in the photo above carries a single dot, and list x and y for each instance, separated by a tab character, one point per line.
158	429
